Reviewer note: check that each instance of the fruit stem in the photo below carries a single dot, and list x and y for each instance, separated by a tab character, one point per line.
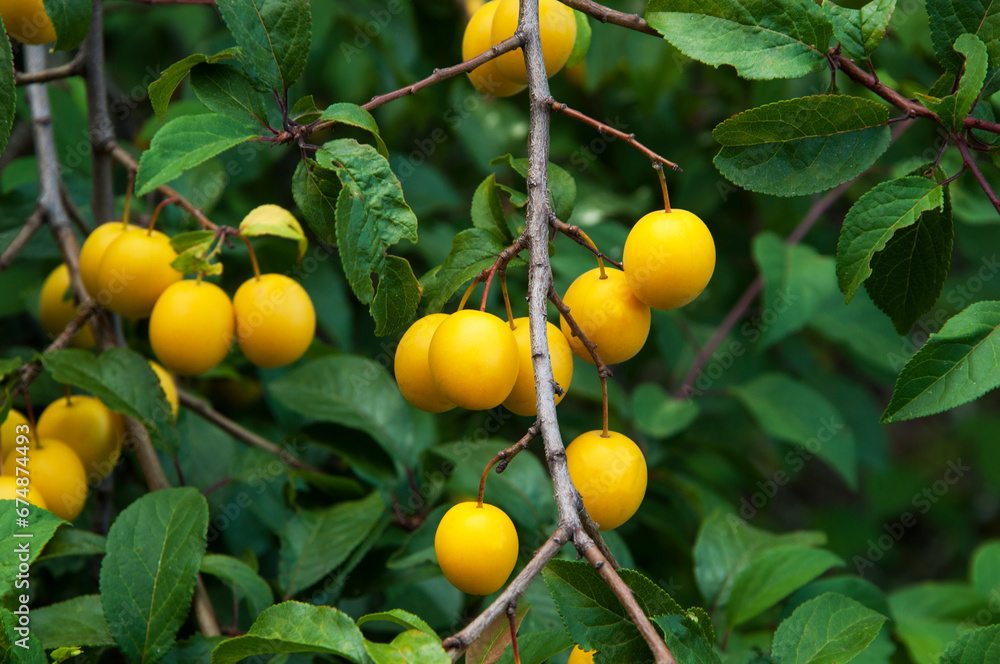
156	213
468	292
128	198
604	399
663	185
506	299
30	413
69	401
253	257
197	279
482	481
512	617
600	261
486	290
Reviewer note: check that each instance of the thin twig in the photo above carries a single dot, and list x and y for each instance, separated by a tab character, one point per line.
31	224
101	134
602	369
574	233
608	15
504	456
970	162
74	67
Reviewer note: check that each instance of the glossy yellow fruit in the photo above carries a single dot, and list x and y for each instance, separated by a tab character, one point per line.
487	78
89	428
134	272
55	310
15	424
473	359
608	313
275	320
56	473
558	32
669	258
610	474
169	387
522	398
27	22
192	326
476	547
9	491
92	252
412	368
581	656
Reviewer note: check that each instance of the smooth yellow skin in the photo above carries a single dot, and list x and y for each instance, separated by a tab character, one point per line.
522	398
8	491
608	313
57	474
669	258
27	22
581	656
473	359
55	313
558	32
610	474
93	250
134	272
192	327
9	432
487	78
89	428
169	387
476	547
275	320
413	370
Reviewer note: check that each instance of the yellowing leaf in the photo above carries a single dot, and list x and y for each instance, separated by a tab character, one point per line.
274	220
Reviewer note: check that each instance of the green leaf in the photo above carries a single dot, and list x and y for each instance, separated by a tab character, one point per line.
954	108
19	540
798	284
8	91
123	381
225	89
772	576
76	622
296	627
200	240
594	617
795	413
802	146
148	574
495	639
955	366
487	210
985	568
582	43
831	629
908	275
950	19
8	365
399	617
355	116
981	645
316	190
411	647
244	579
273	36
196	650
71	541
538	647
354	392
860	31
314	543
758	40
687	642
185	142
562	185
162	89
873	220
660	415
71	19
23	649
276	221
472	251
397	296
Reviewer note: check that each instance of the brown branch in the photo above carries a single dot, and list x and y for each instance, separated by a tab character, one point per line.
204	410
31	224
101	134
504	456
504	258
74	67
574	233
870	81
602	369
608	15
970	162
608	129
30	370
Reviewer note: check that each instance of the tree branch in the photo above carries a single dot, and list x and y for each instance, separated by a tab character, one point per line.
102	136
608	15
74	67
31	224
574	233
970	162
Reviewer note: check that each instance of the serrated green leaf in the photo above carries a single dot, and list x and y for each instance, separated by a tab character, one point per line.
772	576
75	622
316	190
954	108
274	38
304	110
802	146
123	381
582	43
562	185
354	392
831	629
192	240
191	262
411	647
42	525
314	543
538	647
795	413
71	19
355	116
760	42
245	581
908	275
8	91
23	649
929	616
487	210
185	142
276	221
162	89
860	31
70	541
873	220
981	645
955	366
686	640
225	89
397	296
472	251
950	19
399	617
296	627
148	574
660	415
9	365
